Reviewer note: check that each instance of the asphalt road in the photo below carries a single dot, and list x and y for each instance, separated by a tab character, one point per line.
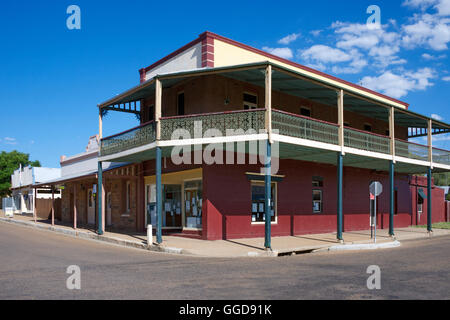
33	265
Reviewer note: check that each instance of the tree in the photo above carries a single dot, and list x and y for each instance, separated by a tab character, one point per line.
10	161
442	179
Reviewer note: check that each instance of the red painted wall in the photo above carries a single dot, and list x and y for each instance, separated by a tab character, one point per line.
227	196
437	198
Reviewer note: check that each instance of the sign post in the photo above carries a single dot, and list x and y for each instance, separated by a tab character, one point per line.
375	189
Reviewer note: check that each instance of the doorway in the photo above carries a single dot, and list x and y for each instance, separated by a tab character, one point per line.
193	204
108	209
90	207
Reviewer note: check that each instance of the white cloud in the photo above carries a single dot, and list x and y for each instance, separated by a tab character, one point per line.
397	86
437	117
289	38
315	33
443	7
9	140
446	78
421	4
325	54
431	57
285	53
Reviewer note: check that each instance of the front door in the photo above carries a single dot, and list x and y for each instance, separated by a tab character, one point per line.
108	209
193	206
171	211
90	207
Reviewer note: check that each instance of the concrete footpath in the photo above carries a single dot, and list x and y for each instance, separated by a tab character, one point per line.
252	247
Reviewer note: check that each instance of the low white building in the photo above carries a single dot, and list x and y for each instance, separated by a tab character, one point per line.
23	192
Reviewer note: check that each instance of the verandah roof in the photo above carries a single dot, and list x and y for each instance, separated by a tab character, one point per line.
283	80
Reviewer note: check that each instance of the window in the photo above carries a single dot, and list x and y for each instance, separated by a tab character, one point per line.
250	101
317	201
258	202
388	133
419	204
317	182
305	112
368	127
180	104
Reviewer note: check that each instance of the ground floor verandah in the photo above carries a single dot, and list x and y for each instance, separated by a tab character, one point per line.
238	247
222	201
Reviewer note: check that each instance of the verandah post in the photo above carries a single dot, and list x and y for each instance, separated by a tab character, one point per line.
100	198
267	195
340	162
429	224
158	196
391	198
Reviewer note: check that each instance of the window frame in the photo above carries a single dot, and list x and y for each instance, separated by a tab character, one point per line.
320	201
251	105
419	204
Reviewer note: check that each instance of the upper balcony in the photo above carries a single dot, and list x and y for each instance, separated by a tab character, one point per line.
300	137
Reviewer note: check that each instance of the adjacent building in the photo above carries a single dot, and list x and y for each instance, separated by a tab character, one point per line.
25	197
78	185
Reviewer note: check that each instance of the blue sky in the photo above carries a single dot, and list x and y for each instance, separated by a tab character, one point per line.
52	78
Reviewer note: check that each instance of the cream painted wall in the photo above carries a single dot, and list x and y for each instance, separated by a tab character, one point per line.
226	54
187	60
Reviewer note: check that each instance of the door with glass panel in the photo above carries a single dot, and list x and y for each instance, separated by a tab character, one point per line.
171	211
193	204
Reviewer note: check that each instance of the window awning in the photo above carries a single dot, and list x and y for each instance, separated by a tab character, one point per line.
422	194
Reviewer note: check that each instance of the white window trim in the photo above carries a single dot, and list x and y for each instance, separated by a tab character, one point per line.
321	200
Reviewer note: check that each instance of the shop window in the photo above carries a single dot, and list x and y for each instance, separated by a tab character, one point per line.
305	112
180	104
258	202
317	201
250	101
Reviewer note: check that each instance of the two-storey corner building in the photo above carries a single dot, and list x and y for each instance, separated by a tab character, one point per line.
235	142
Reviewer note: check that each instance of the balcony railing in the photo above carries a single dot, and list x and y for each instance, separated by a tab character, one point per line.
294	125
225	124
366	141
136	137
411	150
253	121
441	156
